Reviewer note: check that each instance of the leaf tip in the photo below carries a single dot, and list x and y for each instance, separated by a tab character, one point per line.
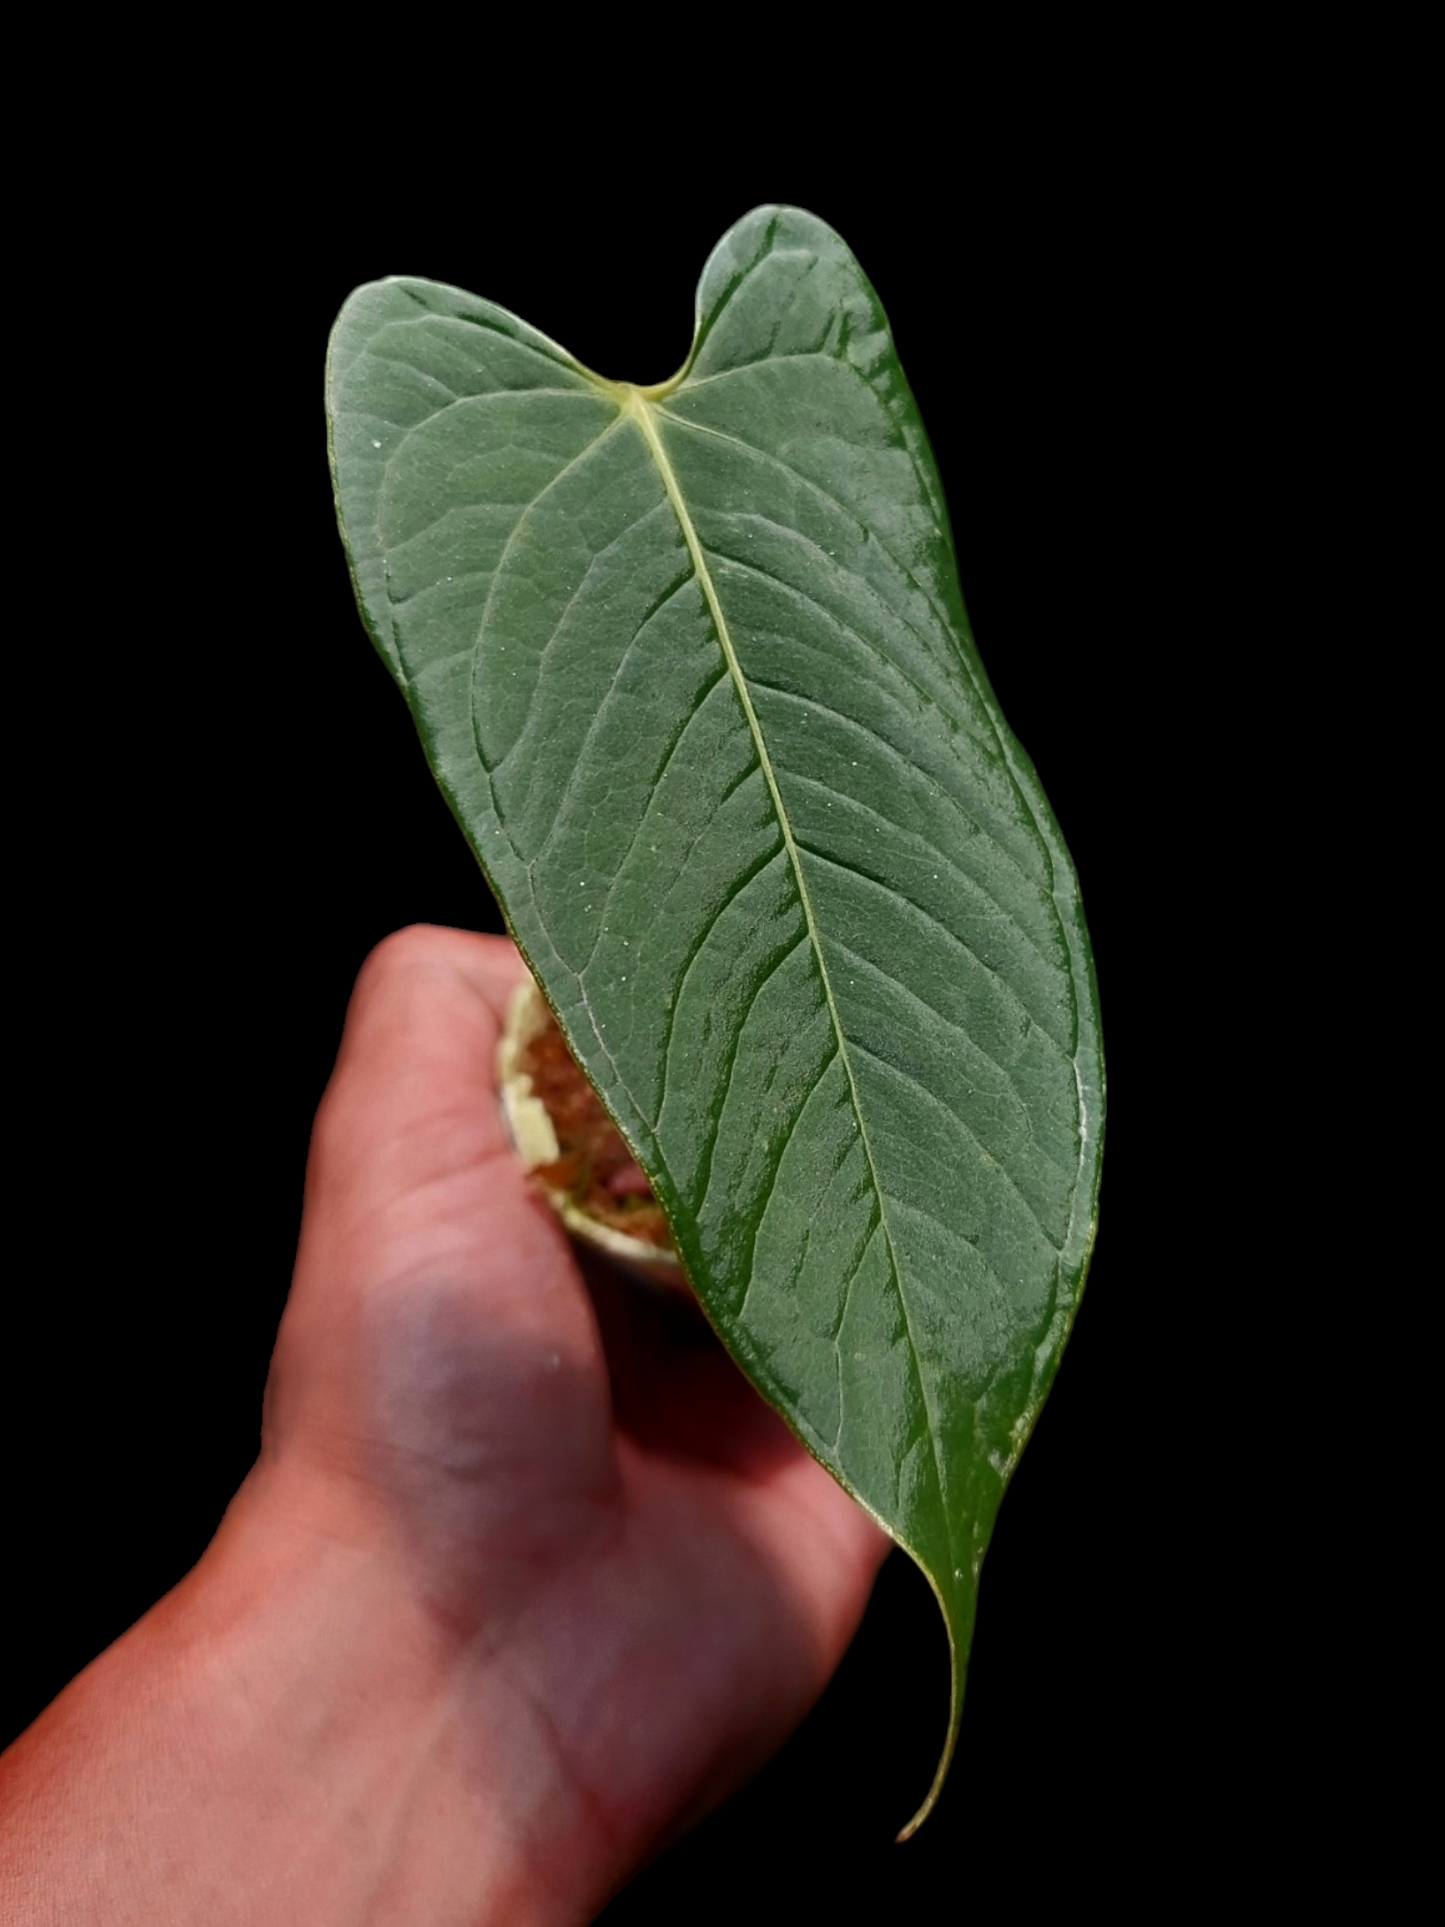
956	1659
930	1800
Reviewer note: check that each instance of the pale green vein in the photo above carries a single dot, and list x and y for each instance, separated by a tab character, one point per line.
641	413
500	567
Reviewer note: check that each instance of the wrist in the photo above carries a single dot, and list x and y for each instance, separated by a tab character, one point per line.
288	1735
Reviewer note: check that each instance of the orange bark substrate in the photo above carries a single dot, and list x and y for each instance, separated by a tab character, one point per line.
594	1166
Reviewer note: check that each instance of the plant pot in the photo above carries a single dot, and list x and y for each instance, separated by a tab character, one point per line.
575	1152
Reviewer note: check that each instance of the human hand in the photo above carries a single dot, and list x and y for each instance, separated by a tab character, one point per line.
526	1579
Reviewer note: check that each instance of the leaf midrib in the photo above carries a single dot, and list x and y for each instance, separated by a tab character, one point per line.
640	411
639	407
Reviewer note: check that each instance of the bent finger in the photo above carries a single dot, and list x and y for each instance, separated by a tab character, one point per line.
438	1344
410	1124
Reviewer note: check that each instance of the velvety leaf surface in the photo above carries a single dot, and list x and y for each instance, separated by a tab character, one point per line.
692	665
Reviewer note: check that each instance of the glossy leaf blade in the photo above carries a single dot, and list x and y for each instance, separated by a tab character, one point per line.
692	665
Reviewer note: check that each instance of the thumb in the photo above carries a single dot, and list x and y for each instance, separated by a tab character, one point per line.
409	1151
438	1329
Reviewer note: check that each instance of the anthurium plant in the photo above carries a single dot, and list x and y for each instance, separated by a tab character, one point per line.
691	663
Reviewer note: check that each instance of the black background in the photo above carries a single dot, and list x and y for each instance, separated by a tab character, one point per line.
233	809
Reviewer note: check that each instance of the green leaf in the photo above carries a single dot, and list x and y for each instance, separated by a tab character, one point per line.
692	666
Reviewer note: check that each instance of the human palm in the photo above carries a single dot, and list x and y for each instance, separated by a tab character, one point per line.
630	1580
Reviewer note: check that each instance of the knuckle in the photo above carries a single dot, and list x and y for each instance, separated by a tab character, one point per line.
416	946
